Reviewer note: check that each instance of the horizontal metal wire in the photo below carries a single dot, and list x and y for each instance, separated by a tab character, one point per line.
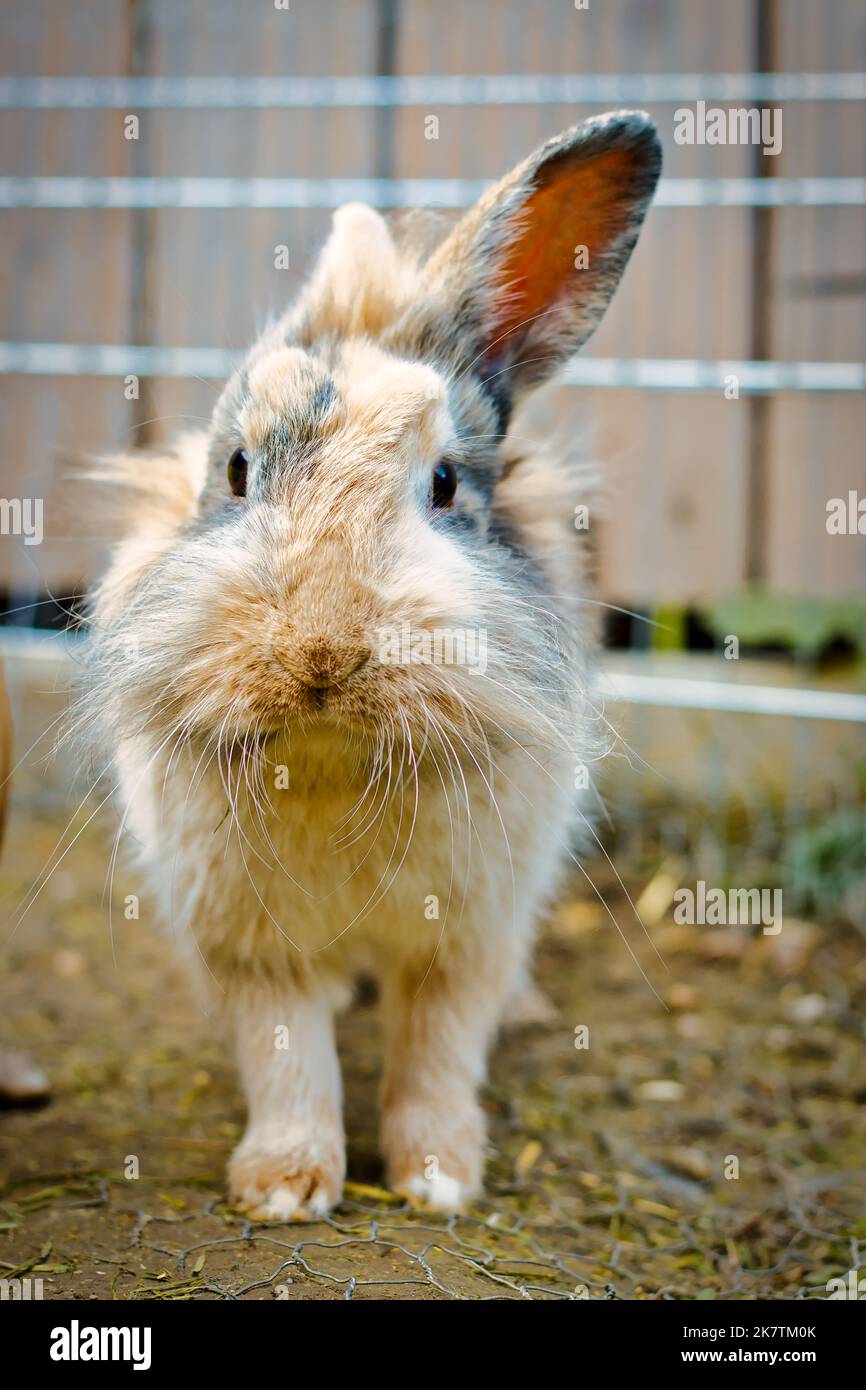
640	373
679	693
695	374
501	89
37	191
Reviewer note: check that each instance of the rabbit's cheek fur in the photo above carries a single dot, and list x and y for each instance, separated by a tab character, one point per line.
308	804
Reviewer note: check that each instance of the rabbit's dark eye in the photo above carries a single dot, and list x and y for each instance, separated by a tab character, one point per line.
444	483
237	473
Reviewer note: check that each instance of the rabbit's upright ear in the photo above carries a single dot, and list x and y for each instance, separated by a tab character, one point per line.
359	283
526	275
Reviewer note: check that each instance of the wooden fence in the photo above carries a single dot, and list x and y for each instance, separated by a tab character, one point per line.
703	494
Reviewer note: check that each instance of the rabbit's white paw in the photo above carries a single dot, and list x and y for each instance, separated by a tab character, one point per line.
288	1179
440	1193
432	1160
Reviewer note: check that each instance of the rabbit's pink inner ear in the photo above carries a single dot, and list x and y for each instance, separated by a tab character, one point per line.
587	205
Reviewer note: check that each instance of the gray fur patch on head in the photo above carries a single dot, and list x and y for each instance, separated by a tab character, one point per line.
276	407
294	438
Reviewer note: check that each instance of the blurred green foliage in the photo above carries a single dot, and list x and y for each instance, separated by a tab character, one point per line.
816	856
808	627
825	862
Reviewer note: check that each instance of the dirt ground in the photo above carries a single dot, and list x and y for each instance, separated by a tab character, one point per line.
709	1147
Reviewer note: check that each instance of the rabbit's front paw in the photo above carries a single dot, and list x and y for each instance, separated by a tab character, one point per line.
286	1176
441	1170
438	1192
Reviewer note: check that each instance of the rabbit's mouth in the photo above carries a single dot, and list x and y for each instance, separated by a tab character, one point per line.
328	707
295	709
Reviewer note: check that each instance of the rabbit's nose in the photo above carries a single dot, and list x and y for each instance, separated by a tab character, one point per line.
321	663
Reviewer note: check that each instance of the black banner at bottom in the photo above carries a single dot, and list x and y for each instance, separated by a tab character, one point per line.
70	1338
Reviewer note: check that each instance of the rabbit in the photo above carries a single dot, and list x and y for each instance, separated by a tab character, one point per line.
319	787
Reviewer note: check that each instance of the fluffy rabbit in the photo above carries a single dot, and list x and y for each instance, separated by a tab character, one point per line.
339	666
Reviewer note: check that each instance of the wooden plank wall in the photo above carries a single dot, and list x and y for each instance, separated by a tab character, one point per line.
676	509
